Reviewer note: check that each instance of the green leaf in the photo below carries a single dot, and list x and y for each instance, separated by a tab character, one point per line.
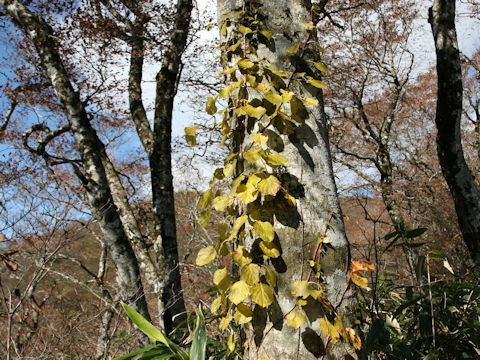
415	233
210	107
199	343
191	134
136	352
265	230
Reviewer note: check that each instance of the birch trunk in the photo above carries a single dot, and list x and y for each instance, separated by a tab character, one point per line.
308	176
460	180
92	152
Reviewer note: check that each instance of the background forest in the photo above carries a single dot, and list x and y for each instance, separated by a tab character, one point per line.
107	151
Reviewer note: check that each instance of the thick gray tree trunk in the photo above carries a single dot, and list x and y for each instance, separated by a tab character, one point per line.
460	180
93	155
309	177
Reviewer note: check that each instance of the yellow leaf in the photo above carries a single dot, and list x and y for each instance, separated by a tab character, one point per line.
354	339
223	29
302	302
227	71
320	66
235	183
225	92
205	255
286	95
216	304
204	218
359	280
210	107
329	329
247	193
262	295
271	277
293	49
245	64
274	98
222	247
269	186
230	345
238	292
191	135
222	279
245	30
270	249
252	155
309	26
314	293
225	321
340	327
278	72
266	34
237	225
317	83
362	265
291	199
256	112
228	170
220	203
244	314
251	273
310	101
259	138
206	199
241	256
301	288
263	358
265	230
277	159
234	46
296	318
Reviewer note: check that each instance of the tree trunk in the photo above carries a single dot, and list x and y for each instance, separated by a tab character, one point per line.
92	151
308	176
460	180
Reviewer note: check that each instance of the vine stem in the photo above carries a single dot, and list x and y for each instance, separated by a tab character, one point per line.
319	245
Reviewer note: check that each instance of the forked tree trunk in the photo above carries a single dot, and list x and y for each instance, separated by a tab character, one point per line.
460	180
308	176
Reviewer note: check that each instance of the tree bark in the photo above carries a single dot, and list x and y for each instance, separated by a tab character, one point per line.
308	176
92	152
460	180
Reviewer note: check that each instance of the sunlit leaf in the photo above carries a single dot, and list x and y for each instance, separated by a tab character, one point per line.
245	64
309	26
277	159
274	98
362	265
317	83
359	280
266	34
237	225
245	30
265	230
329	329
234	46
225	92
270	249
262	295
310	101
354	338
252	155
244	314
320	66
228	170
269	186
220	203
227	71
293	49
241	256
222	279
225	321
206	255
204	218
238	292
296	318
210	107
251	273
300	288
206	199
271	277
247	193
216	304
259	138
191	135
235	183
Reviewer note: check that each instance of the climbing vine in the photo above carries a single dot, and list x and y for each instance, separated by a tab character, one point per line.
259	96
